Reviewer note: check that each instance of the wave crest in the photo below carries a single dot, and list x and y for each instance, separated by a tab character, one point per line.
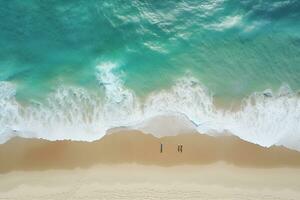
265	118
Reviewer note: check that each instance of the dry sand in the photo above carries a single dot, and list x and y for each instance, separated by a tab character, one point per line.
128	165
131	181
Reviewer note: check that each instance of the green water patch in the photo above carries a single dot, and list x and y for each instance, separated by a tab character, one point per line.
233	49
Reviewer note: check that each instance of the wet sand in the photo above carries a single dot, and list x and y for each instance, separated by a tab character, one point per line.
136	147
129	165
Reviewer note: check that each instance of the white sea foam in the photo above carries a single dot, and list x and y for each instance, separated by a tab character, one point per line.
226	23
265	118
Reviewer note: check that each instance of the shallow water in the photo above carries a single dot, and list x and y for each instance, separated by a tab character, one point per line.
76	69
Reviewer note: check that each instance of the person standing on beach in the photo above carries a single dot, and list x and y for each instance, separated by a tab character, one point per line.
161	147
179	148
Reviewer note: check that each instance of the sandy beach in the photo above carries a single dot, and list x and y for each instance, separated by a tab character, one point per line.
129	165
157	100
131	181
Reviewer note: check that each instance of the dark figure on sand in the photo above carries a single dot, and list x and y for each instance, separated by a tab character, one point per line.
179	148
161	147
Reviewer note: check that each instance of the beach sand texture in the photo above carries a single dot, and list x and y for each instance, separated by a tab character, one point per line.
129	165
136	147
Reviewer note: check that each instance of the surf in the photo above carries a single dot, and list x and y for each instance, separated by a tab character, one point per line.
266	118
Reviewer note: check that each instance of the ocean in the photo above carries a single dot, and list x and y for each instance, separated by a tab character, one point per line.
76	69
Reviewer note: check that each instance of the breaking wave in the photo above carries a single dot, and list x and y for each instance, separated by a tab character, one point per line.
265	118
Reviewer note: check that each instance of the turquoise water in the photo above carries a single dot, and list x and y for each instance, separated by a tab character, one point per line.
231	50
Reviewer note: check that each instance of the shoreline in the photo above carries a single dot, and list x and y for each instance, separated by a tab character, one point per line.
128	165
132	146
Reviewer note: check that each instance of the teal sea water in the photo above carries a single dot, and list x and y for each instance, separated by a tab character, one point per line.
74	69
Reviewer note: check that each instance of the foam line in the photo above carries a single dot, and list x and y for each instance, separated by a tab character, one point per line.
265	118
